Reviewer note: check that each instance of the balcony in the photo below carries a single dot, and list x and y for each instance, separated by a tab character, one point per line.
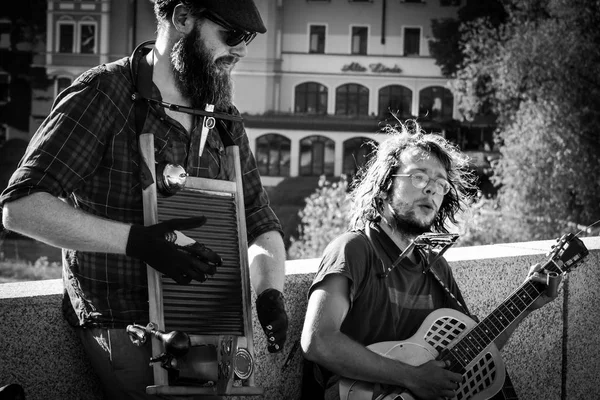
554	354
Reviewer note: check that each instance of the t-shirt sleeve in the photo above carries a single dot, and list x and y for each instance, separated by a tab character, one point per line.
348	255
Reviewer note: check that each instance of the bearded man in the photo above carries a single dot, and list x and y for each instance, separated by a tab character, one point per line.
79	185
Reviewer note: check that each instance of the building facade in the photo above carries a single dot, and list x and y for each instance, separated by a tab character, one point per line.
313	90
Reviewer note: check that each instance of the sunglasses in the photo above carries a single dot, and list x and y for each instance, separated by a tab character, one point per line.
234	36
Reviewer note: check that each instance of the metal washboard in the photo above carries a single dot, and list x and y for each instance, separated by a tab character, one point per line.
217	313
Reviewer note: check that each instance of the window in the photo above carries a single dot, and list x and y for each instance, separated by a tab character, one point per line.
357	152
317	39
352	99
273	155
311	98
395	99
80	39
66	37
436	103
87	35
62	83
412	41
317	156
359	39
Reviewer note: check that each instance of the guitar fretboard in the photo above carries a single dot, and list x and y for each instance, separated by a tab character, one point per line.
489	329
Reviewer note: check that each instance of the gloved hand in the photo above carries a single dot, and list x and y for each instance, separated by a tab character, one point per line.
168	251
273	318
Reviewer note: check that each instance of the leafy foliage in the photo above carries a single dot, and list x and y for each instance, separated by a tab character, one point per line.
21	270
540	74
28	21
445	45
324	217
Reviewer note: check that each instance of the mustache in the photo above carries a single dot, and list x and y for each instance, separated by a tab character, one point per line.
229	59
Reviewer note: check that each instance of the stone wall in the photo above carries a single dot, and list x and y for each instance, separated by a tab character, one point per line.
554	354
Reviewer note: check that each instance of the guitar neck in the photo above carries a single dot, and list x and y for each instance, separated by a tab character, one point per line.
490	328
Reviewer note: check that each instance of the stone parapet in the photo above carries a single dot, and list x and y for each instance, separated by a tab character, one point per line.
554	354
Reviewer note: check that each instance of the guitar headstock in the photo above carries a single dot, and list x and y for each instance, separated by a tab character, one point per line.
568	251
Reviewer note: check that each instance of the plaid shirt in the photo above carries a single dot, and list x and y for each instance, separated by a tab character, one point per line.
86	151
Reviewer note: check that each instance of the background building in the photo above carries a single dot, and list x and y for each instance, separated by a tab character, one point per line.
312	90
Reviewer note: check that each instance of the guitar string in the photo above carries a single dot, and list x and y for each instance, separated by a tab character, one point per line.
586	228
493	323
462	347
497	322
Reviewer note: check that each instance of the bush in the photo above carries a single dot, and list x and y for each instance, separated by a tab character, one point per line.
18	270
324	217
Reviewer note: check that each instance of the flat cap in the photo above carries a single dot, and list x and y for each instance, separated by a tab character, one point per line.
241	14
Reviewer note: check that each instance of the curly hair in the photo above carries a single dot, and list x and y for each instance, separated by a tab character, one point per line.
375	178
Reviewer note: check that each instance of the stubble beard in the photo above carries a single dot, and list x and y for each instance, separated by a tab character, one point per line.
407	224
199	78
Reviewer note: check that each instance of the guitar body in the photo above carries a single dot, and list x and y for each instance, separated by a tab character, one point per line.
450	335
442	328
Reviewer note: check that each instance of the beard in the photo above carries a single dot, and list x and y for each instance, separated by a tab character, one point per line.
199	78
407	225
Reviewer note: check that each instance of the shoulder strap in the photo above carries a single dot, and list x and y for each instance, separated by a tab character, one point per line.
140	108
141	75
448	293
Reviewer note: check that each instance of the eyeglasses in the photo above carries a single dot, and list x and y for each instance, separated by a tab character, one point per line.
420	180
234	36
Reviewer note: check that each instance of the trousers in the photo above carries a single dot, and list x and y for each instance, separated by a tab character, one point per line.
123	368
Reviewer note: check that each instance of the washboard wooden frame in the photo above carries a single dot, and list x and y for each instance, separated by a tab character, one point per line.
218	311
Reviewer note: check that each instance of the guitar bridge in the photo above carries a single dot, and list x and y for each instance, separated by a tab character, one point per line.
430	243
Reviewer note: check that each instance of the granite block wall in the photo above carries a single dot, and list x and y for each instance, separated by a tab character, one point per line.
554	354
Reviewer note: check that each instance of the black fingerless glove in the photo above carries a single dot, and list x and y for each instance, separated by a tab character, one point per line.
161	247
273	318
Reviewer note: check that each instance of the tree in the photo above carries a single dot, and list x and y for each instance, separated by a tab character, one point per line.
324	217
445	45
539	72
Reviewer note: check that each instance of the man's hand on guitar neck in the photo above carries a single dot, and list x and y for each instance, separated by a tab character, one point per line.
551	280
433	381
